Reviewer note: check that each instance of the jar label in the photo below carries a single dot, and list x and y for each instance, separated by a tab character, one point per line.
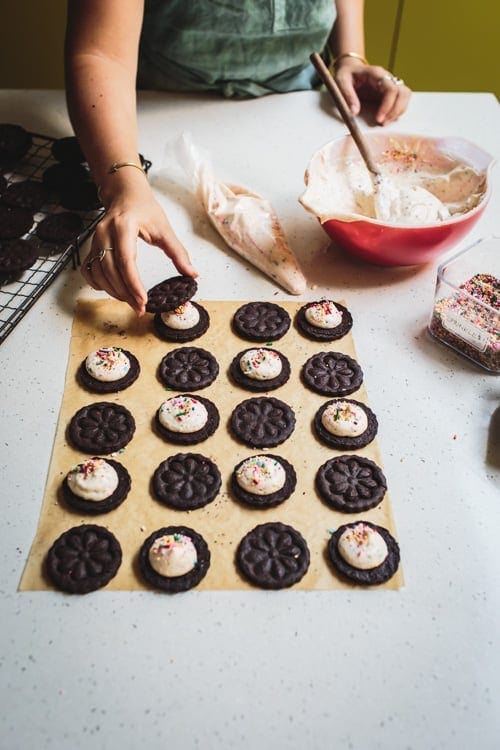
464	329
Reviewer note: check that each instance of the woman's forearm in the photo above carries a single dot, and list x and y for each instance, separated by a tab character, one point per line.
348	34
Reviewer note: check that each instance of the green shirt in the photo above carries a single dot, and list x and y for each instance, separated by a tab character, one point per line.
238	49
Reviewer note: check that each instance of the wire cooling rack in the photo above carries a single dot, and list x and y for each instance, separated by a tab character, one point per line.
18	296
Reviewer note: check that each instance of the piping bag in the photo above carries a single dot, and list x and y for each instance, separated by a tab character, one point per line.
245	220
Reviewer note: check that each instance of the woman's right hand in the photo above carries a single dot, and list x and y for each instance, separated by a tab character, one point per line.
132	211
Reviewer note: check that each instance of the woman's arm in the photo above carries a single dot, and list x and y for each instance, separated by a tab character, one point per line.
355	76
102	42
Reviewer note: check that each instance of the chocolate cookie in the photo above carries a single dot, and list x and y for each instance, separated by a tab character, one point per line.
68	150
61	177
61	228
355	419
262	422
82	196
324	320
108	361
3	184
16	256
378	574
332	374
28	194
83	473
261	369
170	293
174	547
14	222
188	368
15	142
273	556
351	484
83	559
186	481
102	427
261	321
182	335
263	481
187	419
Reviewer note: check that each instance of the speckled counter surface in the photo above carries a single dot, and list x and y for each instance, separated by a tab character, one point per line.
416	668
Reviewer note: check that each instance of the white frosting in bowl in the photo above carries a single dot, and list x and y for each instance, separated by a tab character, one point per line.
173	555
183	414
344	419
261	364
107	364
362	547
94	479
261	475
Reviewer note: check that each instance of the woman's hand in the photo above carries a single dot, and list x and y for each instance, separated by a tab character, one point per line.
132	212
362	82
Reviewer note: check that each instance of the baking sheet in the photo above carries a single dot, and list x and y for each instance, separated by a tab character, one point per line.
101	323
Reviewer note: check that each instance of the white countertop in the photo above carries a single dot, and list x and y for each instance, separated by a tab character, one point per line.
413	669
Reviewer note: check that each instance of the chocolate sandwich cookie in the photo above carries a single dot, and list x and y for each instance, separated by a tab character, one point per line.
188	368
261	321
61	228
14	222
185	323
263	481
68	150
97	485
15	142
261	369
262	422
324	320
83	559
171	293
186	481
81	196
3	184
174	559
16	256
61	177
273	556
187	419
332	374
108	370
28	194
345	424
102	427
351	484
364	553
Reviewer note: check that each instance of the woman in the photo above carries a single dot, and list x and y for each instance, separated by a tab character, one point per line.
237	49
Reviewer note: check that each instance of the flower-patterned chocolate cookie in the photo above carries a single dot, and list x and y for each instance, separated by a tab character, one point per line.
351	483
273	556
188	368
262	422
102	427
186	481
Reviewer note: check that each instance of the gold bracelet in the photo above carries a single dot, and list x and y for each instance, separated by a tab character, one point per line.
349	54
119	164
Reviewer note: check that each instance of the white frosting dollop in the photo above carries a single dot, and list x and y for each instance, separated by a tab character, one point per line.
173	555
407	204
261	475
94	479
107	364
183	414
261	364
362	547
182	318
344	419
323	314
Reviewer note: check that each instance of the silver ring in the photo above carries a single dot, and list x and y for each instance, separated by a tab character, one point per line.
392	79
98	256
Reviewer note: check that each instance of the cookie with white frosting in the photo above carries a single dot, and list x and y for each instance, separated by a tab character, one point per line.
261	321
351	484
187	419
108	370
332	374
260	369
174	559
364	553
184	323
262	422
186	481
263	481
345	424
273	556
188	368
83	559
323	320
96	485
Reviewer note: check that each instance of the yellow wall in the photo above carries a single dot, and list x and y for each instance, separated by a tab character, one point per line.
442	45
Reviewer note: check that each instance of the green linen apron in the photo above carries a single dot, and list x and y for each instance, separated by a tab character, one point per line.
238	48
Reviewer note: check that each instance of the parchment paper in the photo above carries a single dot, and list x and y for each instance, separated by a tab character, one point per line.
224	521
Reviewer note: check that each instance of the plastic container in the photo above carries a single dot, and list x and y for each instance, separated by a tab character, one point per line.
466	313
